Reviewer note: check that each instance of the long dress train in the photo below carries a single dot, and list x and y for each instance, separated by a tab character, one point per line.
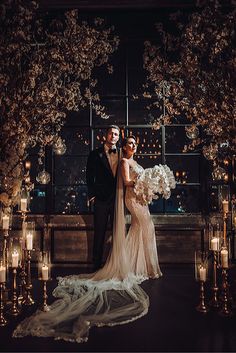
112	295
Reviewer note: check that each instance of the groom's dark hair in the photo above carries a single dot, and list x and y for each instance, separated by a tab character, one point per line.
112	127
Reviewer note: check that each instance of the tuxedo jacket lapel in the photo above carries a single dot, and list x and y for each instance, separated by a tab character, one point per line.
104	159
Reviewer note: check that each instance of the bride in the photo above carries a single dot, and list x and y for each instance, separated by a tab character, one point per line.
112	295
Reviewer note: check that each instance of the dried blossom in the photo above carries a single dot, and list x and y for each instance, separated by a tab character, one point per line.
46	70
191	73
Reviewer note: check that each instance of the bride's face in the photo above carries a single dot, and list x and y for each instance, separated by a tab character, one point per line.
131	146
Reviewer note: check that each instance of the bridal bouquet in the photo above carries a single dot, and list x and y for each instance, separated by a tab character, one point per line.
152	181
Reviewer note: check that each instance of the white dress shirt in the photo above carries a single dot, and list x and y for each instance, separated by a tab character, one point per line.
112	158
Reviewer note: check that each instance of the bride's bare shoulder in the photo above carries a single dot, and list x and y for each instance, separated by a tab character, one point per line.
124	161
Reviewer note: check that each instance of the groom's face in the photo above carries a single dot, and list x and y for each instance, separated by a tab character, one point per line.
112	136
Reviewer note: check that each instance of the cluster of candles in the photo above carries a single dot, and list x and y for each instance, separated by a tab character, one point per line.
17	256
218	247
181	177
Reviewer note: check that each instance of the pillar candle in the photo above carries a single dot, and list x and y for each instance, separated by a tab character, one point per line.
2	274
15	258
202	273
225	205
5	222
23	205
224	258
45	272
29	241
215	244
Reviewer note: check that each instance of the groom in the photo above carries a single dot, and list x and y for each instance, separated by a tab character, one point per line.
101	175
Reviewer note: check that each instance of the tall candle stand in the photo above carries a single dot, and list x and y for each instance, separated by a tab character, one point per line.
14	311
22	283
226	307
214	246
6	263
201	266
44	275
224	228
202	307
3	320
22	273
45	306
28	300
214	302
5	247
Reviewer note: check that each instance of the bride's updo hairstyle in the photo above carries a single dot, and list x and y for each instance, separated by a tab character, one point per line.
125	140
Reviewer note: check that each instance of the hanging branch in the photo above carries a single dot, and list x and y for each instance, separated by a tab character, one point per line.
196	60
46	66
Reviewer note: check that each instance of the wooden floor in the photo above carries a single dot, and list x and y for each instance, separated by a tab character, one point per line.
171	325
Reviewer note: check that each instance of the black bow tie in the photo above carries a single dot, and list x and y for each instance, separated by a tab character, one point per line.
112	150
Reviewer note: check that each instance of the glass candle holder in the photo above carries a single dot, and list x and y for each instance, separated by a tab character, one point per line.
15	253
44	266
6	218
29	235
24	200
201	265
215	238
3	272
223	197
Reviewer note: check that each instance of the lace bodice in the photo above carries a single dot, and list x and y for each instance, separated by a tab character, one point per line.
135	170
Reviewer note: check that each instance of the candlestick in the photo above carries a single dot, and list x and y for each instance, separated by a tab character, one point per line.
45	306
28	300
225	310
3	321
214	302
22	274
202	307
14	311
225	228
5	222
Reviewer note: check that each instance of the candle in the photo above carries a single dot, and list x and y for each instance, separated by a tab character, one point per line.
45	272
15	258
27	164
215	244
224	258
29	241
225	205
5	222
202	273
2	274
23	205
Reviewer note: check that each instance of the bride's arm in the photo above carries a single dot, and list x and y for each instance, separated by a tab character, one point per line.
125	173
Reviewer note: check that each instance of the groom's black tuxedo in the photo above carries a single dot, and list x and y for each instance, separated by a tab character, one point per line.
102	184
100	180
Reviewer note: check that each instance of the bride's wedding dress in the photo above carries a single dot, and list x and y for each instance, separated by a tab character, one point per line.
112	295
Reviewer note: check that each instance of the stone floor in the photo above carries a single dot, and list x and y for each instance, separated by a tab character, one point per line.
171	325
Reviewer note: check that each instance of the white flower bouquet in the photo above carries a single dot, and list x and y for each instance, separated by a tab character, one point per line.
153	181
